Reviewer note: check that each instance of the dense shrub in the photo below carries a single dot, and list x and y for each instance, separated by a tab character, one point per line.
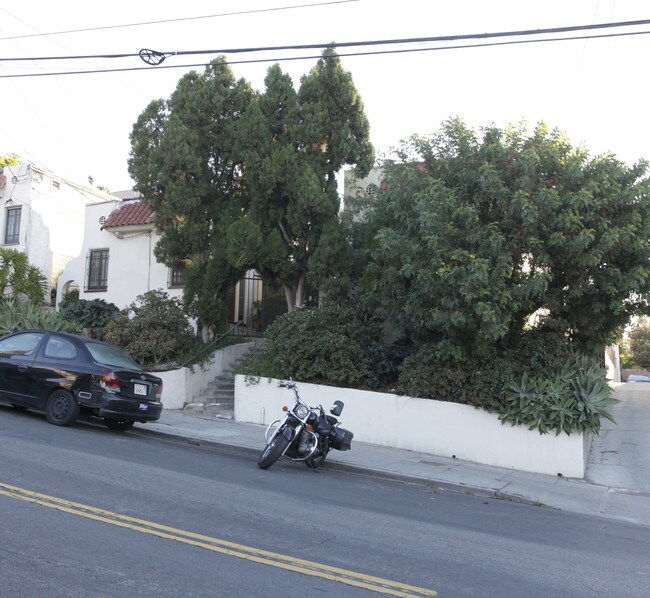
94	313
482	382
326	345
534	381
384	365
154	329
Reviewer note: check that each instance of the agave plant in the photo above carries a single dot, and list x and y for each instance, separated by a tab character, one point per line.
593	396
15	315
572	400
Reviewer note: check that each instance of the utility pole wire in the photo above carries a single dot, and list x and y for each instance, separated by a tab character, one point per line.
384	42
317	56
165	21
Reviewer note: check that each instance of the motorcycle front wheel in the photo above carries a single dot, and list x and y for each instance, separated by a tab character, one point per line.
273	451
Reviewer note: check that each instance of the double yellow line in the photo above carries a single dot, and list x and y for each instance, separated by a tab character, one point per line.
281	561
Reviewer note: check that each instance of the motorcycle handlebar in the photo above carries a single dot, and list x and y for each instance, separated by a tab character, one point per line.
290	384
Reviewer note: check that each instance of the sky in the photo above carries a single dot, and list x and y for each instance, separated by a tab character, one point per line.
78	126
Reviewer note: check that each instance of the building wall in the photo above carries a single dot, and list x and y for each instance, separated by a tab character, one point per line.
132	267
52	216
364	189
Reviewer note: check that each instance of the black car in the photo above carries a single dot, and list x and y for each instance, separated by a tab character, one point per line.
65	375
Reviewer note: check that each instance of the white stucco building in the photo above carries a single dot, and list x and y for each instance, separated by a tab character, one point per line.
116	261
43	215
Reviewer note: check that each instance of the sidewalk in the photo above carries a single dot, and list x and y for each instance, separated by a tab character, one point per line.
617	484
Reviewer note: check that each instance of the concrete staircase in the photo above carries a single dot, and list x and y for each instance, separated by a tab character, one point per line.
218	399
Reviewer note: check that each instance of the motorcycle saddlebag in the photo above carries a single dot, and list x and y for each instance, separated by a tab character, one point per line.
341	439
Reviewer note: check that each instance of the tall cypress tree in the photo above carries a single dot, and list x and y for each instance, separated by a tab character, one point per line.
296	142
186	160
244	180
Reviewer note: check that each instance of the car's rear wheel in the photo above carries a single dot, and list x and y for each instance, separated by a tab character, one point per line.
120	425
61	408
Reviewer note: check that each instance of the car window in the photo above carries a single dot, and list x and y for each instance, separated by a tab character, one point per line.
58	347
109	355
20	344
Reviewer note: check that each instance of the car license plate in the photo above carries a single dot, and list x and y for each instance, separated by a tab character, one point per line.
140	389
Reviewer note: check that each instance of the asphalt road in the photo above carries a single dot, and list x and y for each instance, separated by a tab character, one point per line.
89	512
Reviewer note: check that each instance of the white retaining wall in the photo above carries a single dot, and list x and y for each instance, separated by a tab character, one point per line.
434	427
182	384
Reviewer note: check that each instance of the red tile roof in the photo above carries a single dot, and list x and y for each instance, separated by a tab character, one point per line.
129	214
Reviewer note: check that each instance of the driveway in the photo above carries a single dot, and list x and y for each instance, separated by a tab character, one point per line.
620	454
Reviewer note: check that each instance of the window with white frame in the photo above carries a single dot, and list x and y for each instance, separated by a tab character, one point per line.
12	226
97	270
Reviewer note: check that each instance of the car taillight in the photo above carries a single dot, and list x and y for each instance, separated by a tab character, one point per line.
109	381
159	391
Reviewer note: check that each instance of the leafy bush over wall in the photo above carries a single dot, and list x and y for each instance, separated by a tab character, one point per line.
533	379
385	364
95	313
327	345
482	382
153	329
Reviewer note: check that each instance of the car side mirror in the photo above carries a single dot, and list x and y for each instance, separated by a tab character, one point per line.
337	408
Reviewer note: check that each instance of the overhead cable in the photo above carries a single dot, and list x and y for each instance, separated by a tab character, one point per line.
160	56
165	21
382	42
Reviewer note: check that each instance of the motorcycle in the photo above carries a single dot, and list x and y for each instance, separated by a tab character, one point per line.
306	433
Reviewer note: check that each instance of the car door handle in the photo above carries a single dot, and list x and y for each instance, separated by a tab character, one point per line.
22	368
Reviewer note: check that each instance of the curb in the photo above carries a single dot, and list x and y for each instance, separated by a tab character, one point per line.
435	485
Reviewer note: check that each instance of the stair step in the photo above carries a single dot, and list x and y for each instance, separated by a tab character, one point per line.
206	394
219	397
219	410
224	386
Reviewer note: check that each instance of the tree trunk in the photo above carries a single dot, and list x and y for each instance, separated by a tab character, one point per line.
295	295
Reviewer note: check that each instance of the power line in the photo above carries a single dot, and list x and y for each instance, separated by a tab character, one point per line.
384	42
165	21
317	56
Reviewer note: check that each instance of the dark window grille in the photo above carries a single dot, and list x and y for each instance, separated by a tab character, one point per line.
12	230
176	276
97	270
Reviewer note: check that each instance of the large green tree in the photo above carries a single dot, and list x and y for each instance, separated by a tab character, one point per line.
296	142
243	180
186	160
478	239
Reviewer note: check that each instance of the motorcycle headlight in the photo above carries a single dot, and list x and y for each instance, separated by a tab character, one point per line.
301	411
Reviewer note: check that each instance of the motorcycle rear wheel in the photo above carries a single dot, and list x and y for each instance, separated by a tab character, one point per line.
273	451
